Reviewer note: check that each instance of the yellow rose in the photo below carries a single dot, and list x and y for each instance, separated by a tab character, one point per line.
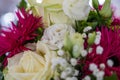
52	12
30	65
51	2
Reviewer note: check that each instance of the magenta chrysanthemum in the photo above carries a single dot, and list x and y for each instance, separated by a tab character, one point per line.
13	40
116	21
110	42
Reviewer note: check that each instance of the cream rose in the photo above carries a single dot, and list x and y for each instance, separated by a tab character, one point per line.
76	9
30	65
51	11
54	35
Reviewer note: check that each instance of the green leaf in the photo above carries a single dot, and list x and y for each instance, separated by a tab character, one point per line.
1	61
93	77
52	79
95	4
40	32
2	58
96	20
80	25
106	11
113	77
22	4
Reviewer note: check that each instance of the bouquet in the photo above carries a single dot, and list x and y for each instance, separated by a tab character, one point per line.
61	40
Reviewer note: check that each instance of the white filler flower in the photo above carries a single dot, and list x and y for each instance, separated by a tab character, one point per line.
76	9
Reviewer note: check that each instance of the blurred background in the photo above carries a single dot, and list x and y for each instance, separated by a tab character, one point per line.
8	7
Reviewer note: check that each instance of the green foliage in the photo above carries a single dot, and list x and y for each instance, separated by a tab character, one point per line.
22	4
1	61
2	58
93	77
80	25
113	77
95	4
40	32
97	18
1	76
106	11
94	20
1	67
51	79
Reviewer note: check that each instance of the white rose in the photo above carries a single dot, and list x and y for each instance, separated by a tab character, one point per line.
76	9
54	35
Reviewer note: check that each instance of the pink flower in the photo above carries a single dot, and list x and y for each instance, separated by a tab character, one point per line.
110	42
13	40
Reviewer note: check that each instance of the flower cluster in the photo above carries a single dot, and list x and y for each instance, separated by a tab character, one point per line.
62	40
13	39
